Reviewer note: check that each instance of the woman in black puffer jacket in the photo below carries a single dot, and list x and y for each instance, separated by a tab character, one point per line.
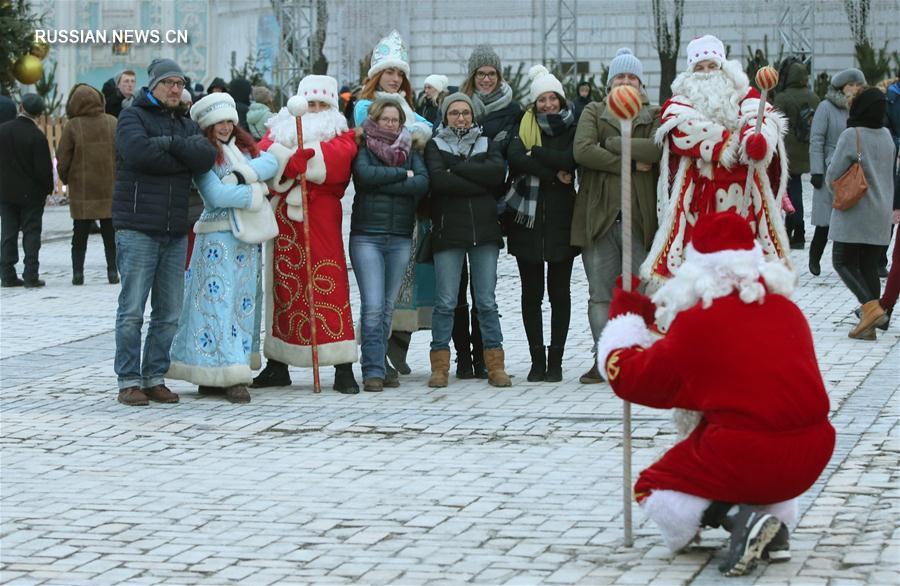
539	218
390	180
467	174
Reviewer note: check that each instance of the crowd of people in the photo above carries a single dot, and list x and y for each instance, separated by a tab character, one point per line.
210	204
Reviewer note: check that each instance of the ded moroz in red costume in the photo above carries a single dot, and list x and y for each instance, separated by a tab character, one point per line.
740	352
328	150
707	132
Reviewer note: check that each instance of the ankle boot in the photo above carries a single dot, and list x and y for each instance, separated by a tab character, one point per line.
554	364
871	316
496	369
78	266
344	381
440	368
275	374
538	365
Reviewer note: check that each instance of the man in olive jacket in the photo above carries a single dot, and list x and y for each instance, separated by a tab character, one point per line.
157	151
597	220
798	103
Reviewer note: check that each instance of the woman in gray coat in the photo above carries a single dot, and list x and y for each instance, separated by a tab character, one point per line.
860	232
828	123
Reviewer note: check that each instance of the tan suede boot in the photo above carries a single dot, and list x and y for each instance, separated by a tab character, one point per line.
871	316
494	362
440	368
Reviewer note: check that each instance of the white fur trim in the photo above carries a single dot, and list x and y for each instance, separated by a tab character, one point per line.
786	511
214	108
282	154
773	129
685	421
258	192
213	376
622	331
210	227
316	170
295	213
319	88
246	172
677	514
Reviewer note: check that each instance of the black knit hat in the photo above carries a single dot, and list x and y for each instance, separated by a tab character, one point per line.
867	109
161	69
33	104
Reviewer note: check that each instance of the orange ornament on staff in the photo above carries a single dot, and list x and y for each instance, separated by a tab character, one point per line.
624	102
766	79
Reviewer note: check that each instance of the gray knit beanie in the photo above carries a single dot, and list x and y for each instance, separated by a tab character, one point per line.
625	62
851	75
483	55
457	97
160	69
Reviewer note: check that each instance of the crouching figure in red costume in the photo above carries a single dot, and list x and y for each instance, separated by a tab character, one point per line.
738	351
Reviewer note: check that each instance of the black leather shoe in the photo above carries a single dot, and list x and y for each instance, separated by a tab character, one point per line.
344	381
275	374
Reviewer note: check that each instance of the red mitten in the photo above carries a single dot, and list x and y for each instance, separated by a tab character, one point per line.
756	147
631	302
296	166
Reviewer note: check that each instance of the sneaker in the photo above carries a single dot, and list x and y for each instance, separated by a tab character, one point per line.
591	377
237	394
373	385
34	283
161	394
133	397
751	532
14	282
779	549
273	375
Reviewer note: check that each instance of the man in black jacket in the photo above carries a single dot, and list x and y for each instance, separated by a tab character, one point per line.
157	151
26	178
119	92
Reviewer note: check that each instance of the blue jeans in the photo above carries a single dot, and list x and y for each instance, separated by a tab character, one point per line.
147	264
379	261
483	271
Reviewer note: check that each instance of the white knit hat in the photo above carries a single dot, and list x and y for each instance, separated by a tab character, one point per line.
543	81
214	108
319	88
705	48
390	52
438	82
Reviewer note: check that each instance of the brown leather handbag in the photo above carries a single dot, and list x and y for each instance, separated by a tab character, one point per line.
850	187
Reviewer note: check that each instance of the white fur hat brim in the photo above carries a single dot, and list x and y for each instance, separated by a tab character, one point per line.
213	109
319	88
387	64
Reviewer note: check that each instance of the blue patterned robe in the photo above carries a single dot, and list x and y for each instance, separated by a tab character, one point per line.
217	341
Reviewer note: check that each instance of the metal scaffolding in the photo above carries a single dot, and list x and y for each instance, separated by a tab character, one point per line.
795	28
565	29
296	22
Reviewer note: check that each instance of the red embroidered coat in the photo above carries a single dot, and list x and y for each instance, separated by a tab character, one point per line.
288	332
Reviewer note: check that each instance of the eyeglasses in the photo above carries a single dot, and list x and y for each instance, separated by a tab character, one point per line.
485	75
173	83
459	113
389	120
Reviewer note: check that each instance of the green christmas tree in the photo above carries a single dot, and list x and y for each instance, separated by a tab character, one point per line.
17	25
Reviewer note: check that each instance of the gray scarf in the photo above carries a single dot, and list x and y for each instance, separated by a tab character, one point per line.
460	143
496	100
836	97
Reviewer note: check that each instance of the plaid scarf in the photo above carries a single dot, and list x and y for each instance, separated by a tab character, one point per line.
391	147
524	192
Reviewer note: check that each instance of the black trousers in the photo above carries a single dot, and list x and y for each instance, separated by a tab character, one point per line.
794	222
81	229
465	339
25	219
559	277
857	266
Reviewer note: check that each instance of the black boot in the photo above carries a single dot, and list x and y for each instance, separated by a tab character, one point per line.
538	365
817	248
714	514
391	378
78	266
344	381
462	343
554	364
398	347
477	348
109	249
275	374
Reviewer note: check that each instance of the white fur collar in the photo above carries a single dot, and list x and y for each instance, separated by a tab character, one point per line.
317	127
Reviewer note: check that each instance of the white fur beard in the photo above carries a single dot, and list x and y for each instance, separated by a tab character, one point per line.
317	127
715	95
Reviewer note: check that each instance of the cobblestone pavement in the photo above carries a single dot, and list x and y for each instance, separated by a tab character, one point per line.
411	486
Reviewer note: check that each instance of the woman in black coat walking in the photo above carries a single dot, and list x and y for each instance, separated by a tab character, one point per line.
539	218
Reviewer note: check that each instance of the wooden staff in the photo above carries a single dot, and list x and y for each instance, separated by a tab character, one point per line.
766	79
297	106
625	102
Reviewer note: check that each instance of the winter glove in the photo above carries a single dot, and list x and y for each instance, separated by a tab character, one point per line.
756	147
298	162
631	302
161	142
817	180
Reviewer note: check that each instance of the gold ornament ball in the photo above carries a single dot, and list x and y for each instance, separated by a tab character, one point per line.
28	69
40	49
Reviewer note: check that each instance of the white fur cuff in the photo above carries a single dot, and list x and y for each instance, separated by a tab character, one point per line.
623	331
258	192
315	167
246	172
282	154
295	213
